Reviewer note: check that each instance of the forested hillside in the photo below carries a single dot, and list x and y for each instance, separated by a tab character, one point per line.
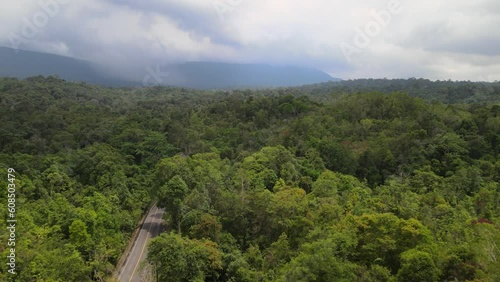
268	185
441	91
199	75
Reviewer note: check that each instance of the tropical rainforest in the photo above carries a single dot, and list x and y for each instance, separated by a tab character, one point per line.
364	180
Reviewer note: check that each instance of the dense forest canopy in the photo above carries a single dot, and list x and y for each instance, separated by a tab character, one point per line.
442	91
353	181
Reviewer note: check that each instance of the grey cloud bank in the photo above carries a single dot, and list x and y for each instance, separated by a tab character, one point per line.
431	39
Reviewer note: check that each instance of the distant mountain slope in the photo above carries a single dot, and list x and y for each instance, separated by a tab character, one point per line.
211	75
201	75
26	64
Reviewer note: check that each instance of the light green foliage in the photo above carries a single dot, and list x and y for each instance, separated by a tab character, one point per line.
417	266
62	264
175	258
325	185
79	236
264	168
383	237
319	261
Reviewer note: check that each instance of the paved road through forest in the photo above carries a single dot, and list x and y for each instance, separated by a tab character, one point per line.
130	271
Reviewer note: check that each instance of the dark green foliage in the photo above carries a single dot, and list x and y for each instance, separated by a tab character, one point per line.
441	90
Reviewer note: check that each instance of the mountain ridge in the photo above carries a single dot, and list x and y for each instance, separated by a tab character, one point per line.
198	75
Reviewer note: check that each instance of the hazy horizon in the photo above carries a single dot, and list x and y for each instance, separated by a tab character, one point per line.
383	39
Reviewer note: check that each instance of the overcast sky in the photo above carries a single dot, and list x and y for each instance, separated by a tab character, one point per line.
435	39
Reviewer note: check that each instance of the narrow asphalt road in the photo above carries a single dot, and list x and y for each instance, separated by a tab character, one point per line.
152	227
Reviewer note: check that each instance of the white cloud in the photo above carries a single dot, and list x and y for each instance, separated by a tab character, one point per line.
432	39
